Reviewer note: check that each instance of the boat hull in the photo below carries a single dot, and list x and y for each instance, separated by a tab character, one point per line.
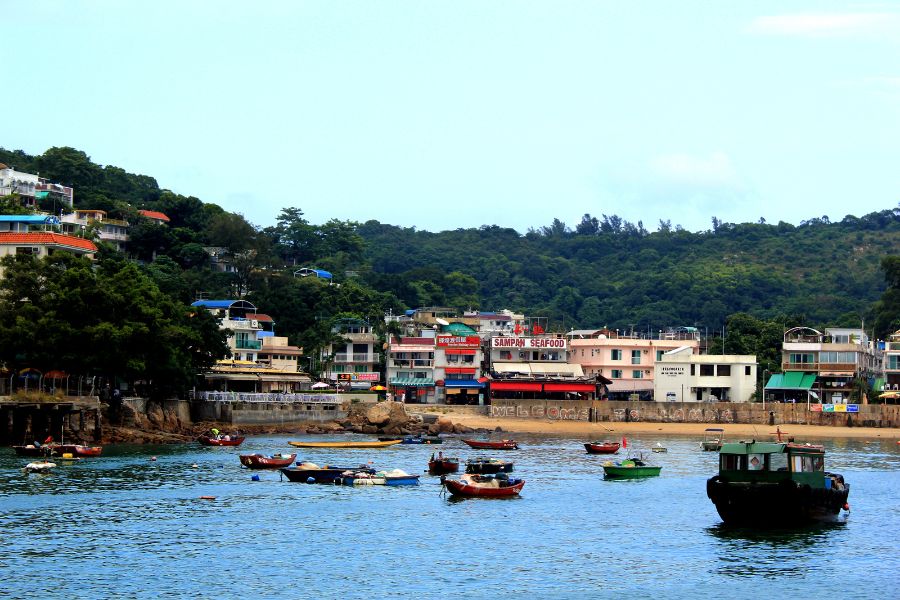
501	445
79	451
414	439
379	444
258	461
619	472
783	504
602	447
33	450
443	466
330	475
208	441
459	488
402	480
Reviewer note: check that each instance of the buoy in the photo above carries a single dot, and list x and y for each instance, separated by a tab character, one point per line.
254	478
846	506
195	466
207	497
152	458
310	480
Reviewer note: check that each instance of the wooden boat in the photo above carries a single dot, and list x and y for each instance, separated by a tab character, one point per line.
274	461
30	450
630	468
443	465
659	448
488	466
774	484
487	445
602	447
205	440
77	450
483	486
351	444
713	438
400	479
311	473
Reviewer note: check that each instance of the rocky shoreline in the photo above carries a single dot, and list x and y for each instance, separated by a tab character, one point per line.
161	426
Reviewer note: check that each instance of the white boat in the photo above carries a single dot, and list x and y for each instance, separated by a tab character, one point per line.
39	467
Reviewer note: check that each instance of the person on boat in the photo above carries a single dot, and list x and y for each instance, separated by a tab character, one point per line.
214	433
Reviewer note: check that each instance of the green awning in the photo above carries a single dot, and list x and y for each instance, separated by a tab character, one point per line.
879	384
792	380
41	195
412	382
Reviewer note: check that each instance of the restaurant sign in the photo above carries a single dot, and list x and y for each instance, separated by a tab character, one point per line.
528	343
358	376
458	341
834	408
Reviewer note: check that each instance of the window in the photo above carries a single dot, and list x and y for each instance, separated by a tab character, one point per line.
837	357
893	361
636	374
747	370
707	370
799	358
778	461
360	368
616	374
692	370
26	251
615	354
659	355
635	357
723	370
732	462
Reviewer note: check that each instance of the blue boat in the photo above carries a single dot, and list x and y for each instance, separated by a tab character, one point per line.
402	480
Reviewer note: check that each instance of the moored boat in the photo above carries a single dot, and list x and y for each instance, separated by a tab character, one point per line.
713	439
226	440
414	439
30	450
273	461
484	486
43	466
312	473
489	445
488	466
77	450
602	447
774	484
442	465
630	468
350	444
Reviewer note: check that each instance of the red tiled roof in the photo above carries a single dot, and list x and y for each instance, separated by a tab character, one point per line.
153	214
45	238
258	317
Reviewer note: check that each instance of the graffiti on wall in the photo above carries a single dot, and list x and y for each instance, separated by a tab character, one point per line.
537	411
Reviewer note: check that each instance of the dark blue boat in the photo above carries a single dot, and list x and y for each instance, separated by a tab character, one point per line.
328	475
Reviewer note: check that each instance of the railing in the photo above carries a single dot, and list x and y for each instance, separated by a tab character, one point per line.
418	362
345	357
248	345
257	398
818	366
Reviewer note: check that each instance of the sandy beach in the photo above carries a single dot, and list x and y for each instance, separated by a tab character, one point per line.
732	431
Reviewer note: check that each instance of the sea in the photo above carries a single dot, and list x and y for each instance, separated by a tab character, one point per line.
132	524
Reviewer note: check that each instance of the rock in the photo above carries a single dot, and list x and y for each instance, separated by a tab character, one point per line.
384	413
460	428
393	430
443	425
369	429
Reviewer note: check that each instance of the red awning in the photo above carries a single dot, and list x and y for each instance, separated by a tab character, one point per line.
569	387
515	387
459	351
459	370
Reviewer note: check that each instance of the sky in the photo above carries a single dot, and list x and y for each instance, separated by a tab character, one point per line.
446	115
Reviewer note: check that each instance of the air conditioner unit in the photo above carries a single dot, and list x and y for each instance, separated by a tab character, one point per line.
254	323
646	351
647	371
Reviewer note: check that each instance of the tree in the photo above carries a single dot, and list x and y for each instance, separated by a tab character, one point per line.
887	309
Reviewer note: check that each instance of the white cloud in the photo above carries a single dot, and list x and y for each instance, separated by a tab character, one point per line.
712	171
826	24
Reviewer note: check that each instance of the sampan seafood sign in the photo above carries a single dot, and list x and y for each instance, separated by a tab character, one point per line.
527	343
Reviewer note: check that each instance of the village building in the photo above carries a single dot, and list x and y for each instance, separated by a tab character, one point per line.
259	360
410	368
354	360
892	367
111	231
680	375
35	191
28	235
457	365
628	359
823	367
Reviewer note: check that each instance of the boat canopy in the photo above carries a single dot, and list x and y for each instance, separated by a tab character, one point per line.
791	380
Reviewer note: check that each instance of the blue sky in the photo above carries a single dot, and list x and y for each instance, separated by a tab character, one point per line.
443	115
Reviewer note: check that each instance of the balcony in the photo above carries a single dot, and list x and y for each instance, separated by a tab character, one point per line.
343	357
410	363
816	367
248	344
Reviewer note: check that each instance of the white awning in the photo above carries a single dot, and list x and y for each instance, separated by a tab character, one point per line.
566	369
630	385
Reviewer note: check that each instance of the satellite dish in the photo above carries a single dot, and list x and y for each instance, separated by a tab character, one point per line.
442	322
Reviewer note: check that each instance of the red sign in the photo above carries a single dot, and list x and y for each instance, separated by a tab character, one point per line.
458	341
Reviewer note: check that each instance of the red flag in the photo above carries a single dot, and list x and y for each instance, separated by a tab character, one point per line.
624	442
49	439
537	329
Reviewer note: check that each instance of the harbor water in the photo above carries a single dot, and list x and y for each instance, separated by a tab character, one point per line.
126	526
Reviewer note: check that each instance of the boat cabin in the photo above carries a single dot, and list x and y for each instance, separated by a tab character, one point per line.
772	462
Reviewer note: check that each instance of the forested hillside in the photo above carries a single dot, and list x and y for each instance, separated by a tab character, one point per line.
602	272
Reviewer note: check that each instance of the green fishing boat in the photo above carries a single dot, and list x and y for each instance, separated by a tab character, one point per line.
630	468
776	484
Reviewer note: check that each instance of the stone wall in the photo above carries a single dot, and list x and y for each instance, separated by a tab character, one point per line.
266	413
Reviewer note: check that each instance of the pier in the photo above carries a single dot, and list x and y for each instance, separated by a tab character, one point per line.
24	420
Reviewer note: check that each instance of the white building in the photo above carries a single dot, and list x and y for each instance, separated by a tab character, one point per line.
682	376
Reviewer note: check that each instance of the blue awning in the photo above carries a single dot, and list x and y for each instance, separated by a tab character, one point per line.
462	383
